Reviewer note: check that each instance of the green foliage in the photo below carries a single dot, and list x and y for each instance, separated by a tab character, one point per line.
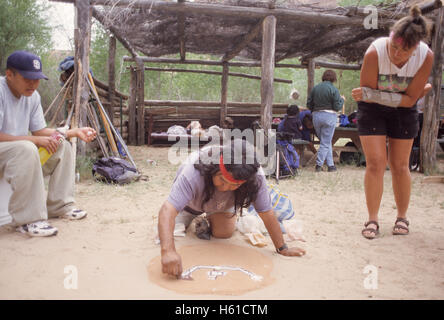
23	26
49	89
98	58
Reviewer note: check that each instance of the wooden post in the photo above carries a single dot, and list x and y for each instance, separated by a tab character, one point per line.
310	76
132	130
181	32
111	76
140	102
81	63
432	102
224	95
267	70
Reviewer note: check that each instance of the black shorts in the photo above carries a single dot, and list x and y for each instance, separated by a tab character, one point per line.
398	123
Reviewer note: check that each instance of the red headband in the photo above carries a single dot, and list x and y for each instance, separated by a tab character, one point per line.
397	40
226	174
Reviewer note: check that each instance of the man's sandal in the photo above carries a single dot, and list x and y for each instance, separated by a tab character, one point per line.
400	226
373	232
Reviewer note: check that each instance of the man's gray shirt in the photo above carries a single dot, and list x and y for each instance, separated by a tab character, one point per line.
19	116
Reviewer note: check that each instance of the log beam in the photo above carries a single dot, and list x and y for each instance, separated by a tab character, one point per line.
343	43
210	62
191	103
233	74
244	64
245	41
237	11
99	16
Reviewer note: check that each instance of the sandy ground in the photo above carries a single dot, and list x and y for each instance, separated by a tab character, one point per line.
108	253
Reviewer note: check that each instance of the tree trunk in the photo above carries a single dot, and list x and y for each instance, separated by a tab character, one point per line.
224	95
267	71
432	103
310	76
81	64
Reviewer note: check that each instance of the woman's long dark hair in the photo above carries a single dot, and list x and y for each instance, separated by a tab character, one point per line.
240	160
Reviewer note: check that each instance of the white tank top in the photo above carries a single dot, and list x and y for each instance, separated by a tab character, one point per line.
390	77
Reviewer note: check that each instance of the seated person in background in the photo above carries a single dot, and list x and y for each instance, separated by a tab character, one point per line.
228	123
291	124
307	128
196	129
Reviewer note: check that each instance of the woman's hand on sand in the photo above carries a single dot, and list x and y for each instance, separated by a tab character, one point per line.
171	263
357	94
293	252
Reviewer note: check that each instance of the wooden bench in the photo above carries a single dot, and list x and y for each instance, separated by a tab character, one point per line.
300	146
163	139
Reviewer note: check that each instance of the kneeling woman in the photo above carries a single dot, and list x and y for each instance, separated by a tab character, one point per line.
220	181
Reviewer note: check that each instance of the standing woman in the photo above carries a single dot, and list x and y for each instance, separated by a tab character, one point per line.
393	77
324	101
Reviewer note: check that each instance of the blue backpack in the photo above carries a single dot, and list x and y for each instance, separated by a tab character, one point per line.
290	155
114	170
343	120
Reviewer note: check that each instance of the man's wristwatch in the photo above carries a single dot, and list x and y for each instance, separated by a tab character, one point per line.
284	247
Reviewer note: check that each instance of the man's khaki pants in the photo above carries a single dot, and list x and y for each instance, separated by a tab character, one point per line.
20	167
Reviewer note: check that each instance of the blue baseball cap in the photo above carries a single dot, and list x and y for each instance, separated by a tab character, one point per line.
27	64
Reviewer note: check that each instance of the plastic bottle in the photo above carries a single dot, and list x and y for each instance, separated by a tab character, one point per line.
45	154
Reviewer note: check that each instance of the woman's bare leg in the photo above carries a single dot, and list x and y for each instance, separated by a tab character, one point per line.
399	154
375	151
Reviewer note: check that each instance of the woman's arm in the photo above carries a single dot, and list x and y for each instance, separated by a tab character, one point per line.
417	86
370	69
369	78
273	228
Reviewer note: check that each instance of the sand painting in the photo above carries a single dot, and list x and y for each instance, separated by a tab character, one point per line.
215	268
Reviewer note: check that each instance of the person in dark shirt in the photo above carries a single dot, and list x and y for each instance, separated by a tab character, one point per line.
307	128
291	124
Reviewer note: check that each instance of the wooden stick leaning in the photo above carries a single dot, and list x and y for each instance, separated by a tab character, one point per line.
103	113
92	119
65	85
106	123
59	107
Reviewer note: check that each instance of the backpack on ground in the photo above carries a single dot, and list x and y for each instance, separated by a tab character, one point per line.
291	157
343	120
114	170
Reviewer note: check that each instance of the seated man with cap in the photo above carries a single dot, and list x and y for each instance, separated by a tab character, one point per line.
20	113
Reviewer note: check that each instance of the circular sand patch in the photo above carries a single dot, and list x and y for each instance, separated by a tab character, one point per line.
238	270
